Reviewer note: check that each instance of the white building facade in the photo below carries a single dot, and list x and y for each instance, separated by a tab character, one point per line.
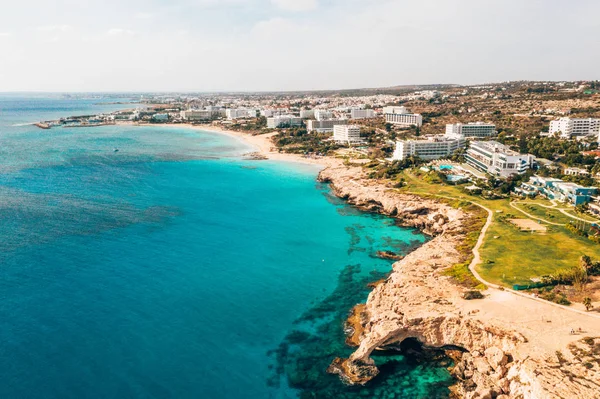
283	121
428	149
322	114
362	114
240	113
324	126
477	130
497	159
349	134
307	113
572	127
401	116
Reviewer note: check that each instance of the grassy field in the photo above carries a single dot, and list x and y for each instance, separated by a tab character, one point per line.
510	256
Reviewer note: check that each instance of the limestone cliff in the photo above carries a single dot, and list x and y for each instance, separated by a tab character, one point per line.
419	301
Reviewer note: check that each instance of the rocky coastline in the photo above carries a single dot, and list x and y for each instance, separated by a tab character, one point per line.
493	358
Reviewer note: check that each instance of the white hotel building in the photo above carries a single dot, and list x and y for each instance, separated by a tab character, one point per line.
324	126
362	114
477	130
283	121
571	127
401	116
428	149
322	114
497	159
349	134
240	113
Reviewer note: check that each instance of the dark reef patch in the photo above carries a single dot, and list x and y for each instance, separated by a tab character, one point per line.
407	371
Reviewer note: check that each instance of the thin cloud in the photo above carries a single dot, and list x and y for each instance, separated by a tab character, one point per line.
144	15
55	28
296	5
6	34
120	32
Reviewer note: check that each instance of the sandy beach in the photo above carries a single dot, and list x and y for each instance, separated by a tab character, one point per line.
262	144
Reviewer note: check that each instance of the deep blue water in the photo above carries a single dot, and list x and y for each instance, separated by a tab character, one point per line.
171	268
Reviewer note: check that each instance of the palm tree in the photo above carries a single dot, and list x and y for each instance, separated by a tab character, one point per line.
587	302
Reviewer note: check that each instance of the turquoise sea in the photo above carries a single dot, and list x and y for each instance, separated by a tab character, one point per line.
174	268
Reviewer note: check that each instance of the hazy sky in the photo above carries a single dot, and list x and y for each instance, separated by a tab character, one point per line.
208	45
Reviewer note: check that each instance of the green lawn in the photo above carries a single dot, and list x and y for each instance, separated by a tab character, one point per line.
549	214
516	257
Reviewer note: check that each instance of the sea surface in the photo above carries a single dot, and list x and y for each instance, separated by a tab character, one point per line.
174	268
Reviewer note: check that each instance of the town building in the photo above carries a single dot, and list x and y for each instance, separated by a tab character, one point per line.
307	113
197	115
362	114
322	114
160	117
573	127
477	130
428	149
556	189
240	113
401	116
349	134
269	113
576	172
497	159
283	121
324	126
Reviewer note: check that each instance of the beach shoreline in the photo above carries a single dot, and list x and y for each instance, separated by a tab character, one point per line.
262	145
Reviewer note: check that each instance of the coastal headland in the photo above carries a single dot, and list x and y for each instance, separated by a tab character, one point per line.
504	345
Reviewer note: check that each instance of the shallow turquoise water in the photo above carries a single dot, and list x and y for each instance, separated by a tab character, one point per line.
175	269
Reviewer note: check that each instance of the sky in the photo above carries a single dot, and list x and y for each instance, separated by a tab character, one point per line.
268	45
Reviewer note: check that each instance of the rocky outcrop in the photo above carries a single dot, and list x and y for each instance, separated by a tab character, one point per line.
419	301
430	216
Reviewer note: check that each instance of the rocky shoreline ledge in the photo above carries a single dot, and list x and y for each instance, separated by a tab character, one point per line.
495	357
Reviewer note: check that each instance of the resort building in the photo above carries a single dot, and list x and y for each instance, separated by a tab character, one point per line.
428	149
572	127
158	118
307	113
556	189
362	114
324	126
283	121
197	115
346	134
478	130
269	113
240	113
401	116
322	114
576	172
497	159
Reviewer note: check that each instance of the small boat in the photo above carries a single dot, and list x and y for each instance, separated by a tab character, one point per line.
116	150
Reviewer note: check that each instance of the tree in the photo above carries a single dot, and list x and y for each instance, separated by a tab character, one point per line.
580	277
587	302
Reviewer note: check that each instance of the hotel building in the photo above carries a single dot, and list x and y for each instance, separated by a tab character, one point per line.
497	159
322	114
346	134
240	113
571	127
362	114
197	115
428	149
401	116
283	121
324	126
477	130
307	113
